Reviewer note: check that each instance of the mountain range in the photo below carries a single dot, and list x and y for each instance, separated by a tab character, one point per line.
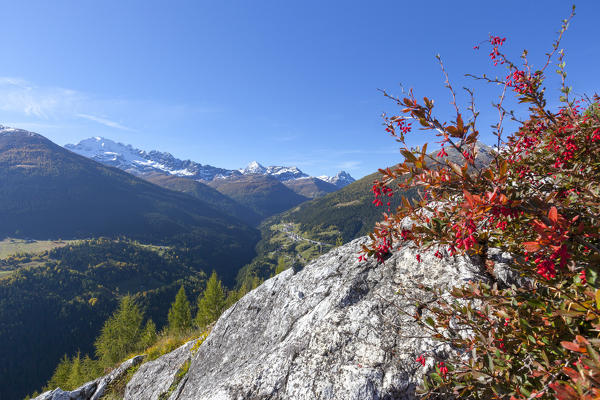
258	191
140	162
49	192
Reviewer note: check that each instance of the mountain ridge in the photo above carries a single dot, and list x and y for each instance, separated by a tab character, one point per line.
140	162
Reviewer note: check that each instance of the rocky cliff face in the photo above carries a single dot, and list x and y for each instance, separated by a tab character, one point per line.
337	329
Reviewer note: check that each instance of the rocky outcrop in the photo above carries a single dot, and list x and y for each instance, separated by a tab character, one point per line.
155	377
337	329
93	390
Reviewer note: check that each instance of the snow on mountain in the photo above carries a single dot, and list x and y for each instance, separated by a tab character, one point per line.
281	173
285	173
140	162
340	180
253	168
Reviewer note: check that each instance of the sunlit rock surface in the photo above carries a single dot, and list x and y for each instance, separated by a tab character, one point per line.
335	330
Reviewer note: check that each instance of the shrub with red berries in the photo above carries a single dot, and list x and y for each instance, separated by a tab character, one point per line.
539	200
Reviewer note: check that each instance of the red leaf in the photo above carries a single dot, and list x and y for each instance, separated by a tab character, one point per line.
573	347
469	198
538	226
564	391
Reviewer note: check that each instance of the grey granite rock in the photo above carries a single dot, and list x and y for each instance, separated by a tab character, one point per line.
93	390
335	330
155	377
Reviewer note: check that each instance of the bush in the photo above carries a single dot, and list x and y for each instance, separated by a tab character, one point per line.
538	199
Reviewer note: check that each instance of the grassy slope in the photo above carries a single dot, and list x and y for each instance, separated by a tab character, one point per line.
10	246
310	187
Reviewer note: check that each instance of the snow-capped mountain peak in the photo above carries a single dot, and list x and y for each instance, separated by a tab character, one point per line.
341	179
253	168
106	150
140	162
281	173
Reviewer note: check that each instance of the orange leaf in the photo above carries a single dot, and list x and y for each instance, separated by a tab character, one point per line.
572	373
531	247
553	215
581	339
453	131
460	125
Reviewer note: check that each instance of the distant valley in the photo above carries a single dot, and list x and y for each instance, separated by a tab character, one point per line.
308	230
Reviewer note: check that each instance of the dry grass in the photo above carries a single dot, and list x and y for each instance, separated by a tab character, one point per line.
9	246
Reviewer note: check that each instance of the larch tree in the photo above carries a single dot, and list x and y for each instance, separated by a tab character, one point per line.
120	333
212	302
180	314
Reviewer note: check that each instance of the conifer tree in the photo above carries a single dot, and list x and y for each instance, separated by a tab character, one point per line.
281	266
148	336
61	374
90	369
180	314
120	333
75	374
232	297
212	302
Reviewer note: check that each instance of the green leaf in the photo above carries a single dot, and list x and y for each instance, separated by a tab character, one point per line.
490	362
436	377
545	357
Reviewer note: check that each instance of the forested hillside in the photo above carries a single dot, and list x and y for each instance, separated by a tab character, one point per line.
55	303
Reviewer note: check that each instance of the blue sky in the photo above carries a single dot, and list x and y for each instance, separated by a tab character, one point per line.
281	82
